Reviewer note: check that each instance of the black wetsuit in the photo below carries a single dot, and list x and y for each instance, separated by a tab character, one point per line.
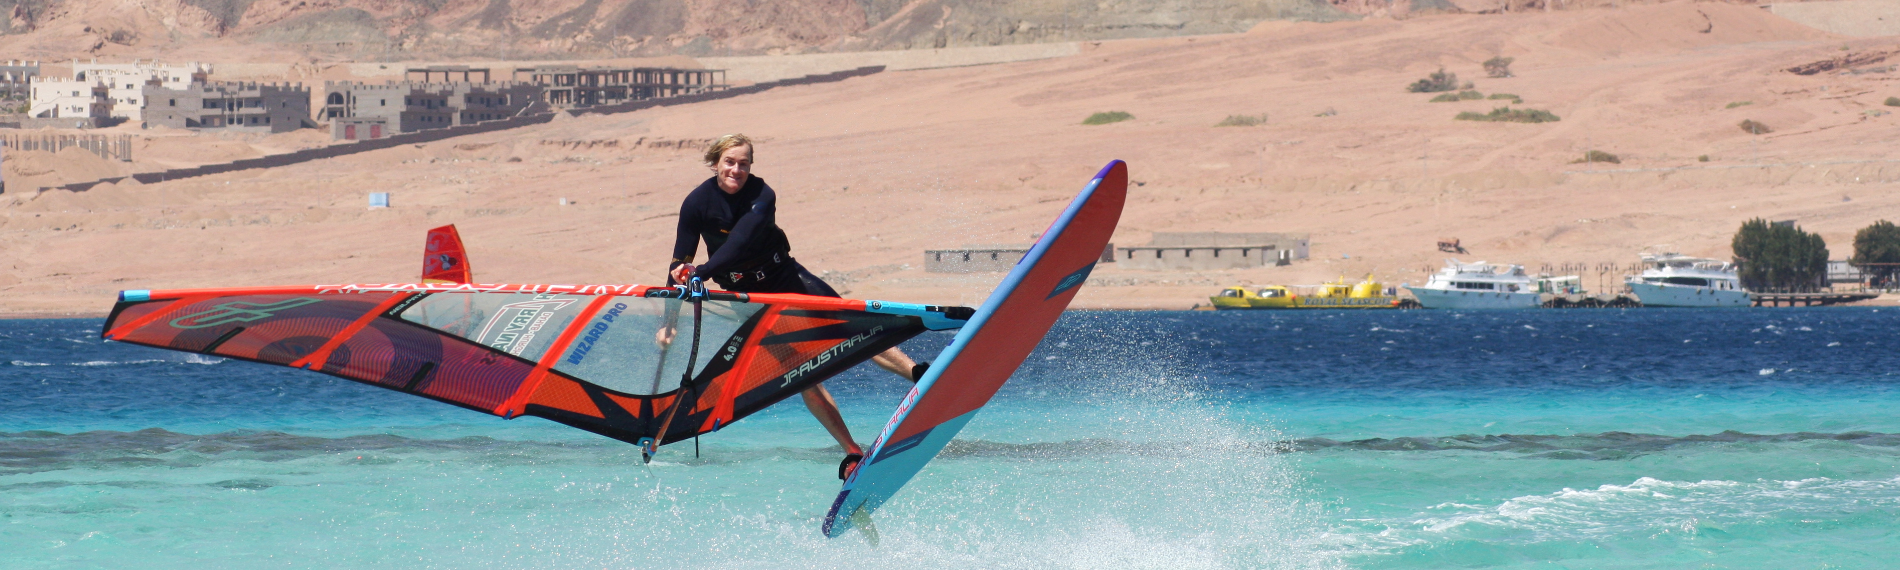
745	249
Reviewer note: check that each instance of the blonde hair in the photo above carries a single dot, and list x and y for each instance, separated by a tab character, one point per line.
722	144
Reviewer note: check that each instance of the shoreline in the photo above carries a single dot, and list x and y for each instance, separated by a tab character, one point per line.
12	316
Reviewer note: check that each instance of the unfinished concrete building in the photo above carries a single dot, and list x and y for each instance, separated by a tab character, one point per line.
1214	251
447	73
569	86
986	258
231	106
359	111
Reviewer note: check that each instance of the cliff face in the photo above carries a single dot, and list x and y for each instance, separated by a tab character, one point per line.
417	29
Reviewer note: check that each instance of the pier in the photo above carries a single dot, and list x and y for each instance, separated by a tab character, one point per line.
1590	302
1809	299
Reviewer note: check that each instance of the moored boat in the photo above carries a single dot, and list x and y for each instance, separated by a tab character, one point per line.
1676	280
1477	286
1339	294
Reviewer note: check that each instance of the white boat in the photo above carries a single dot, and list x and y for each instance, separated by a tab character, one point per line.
1675	280
1477	286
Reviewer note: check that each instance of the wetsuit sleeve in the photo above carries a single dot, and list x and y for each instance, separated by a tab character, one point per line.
749	234
685	238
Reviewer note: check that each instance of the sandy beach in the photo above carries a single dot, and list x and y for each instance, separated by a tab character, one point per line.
874	170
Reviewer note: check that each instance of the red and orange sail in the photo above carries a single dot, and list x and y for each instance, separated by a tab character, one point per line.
609	359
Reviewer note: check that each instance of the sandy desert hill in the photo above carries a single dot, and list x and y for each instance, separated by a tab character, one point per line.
874	170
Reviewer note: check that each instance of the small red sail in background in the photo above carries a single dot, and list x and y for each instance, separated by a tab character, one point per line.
443	260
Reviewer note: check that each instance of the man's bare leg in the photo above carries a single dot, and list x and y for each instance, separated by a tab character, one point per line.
818	400
895	361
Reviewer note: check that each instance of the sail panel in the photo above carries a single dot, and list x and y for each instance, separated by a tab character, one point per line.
640	346
520	324
402	356
269	328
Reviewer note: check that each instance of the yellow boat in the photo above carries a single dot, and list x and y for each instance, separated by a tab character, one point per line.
1234	298
1339	294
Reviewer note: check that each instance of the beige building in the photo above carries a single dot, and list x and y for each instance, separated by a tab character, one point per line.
80	103
126	82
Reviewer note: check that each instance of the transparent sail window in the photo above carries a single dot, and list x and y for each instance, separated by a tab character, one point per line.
521	324
640	346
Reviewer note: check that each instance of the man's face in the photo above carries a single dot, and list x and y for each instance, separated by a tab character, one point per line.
735	167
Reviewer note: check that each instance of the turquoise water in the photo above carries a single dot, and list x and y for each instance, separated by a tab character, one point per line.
1760	438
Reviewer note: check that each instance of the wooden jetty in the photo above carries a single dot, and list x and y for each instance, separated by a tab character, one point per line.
1808	299
1590	302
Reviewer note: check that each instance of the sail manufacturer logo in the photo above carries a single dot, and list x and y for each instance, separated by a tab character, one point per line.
593	334
824	357
238	312
521	323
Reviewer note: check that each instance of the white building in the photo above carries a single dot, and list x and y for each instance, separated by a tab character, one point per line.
126	81
70	99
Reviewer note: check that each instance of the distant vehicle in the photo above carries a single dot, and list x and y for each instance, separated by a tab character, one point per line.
1676	280
1478	285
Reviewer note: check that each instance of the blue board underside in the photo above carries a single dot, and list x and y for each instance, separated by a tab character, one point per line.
876	483
877	480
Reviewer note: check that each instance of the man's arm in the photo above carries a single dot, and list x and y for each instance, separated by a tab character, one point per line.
748	234
685	241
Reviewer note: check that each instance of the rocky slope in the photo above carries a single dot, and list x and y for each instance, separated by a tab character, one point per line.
397	30
419	29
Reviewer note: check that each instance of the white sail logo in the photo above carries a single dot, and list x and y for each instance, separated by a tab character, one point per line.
521	323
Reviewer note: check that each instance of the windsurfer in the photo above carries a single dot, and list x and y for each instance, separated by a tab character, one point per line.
736	214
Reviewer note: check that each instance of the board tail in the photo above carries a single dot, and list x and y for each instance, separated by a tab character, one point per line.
443	260
994	343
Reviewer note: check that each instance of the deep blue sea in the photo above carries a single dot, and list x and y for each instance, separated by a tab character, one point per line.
1648	438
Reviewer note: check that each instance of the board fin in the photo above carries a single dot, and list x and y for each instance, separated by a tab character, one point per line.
443	260
861	518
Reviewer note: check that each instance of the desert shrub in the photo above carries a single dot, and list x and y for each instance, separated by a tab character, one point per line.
1734	104
1459	96
1498	66
1504	96
1509	115
1755	127
1243	120
1598	156
1439	81
1892	102
1703	158
1107	117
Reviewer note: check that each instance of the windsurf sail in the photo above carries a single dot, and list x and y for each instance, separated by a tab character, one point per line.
443	259
601	358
